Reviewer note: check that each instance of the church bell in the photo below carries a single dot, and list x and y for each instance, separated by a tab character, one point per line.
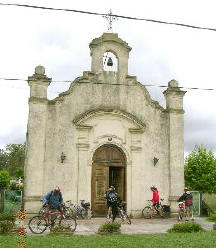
109	62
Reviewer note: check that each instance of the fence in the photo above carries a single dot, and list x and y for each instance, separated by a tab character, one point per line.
12	200
196	202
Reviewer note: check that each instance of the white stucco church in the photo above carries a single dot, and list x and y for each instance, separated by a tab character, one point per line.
104	130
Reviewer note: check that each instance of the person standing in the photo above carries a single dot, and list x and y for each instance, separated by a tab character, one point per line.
112	202
187	197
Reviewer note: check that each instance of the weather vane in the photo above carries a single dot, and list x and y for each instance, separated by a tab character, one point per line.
110	19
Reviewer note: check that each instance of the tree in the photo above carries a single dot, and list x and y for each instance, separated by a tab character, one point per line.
200	170
4	182
3	159
19	172
4	179
12	158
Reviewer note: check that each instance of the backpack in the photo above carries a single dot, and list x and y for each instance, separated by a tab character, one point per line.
112	197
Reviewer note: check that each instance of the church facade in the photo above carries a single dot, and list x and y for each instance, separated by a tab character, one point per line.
105	130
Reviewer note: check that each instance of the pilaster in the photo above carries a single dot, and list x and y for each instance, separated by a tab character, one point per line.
36	129
83	168
174	107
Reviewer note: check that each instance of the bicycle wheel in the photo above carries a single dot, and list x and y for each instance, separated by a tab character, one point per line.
124	217
86	214
68	222
147	212
180	215
165	214
89	214
37	224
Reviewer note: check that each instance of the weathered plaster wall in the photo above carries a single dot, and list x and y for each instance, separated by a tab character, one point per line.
63	136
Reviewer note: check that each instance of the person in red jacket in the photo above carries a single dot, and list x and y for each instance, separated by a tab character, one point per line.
155	200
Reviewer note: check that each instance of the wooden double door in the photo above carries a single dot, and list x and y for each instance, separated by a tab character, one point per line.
108	169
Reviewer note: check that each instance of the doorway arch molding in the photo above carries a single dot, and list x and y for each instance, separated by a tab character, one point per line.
115	143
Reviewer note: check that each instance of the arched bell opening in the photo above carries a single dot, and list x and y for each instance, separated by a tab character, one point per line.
110	62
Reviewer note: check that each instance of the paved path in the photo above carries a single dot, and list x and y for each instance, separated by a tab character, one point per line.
138	226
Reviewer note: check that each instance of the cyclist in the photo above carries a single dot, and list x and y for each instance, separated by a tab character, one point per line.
155	200
187	197
54	201
109	212
112	202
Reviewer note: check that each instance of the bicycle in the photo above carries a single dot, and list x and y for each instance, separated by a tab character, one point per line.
38	224
83	210
150	211
122	213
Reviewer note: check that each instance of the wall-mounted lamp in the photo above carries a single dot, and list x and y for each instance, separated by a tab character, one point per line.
63	157
155	160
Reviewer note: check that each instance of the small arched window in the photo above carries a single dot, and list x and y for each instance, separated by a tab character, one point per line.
110	62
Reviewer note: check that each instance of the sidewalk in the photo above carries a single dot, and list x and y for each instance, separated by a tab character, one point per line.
138	226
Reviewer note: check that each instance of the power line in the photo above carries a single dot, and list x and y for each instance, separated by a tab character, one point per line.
146	85
111	15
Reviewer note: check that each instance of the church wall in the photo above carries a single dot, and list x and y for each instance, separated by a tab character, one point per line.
62	136
104	107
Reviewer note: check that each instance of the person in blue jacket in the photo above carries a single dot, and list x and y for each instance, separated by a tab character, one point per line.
54	201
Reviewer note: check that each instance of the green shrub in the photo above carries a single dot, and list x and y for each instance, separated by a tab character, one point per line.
188	227
7	216
212	218
6	226
110	227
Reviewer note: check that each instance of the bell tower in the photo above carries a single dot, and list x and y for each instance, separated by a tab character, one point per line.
110	42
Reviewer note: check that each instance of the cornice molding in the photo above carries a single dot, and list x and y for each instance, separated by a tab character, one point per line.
34	99
33	198
175	111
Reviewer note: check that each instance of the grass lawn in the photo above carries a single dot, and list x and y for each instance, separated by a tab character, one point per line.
189	240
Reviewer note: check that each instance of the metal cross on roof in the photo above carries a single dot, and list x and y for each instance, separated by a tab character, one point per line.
110	19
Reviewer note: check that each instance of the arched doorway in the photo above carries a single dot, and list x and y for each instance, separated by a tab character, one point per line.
108	168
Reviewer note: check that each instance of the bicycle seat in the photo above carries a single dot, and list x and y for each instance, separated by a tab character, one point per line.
85	204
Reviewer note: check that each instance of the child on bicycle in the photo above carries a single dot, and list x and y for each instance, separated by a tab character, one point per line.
187	197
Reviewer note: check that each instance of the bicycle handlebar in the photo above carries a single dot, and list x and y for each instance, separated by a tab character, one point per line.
151	200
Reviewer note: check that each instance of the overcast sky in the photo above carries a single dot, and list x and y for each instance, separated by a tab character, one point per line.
60	42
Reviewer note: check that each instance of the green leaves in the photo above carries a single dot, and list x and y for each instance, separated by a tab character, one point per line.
110	227
4	179
200	170
188	227
12	159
